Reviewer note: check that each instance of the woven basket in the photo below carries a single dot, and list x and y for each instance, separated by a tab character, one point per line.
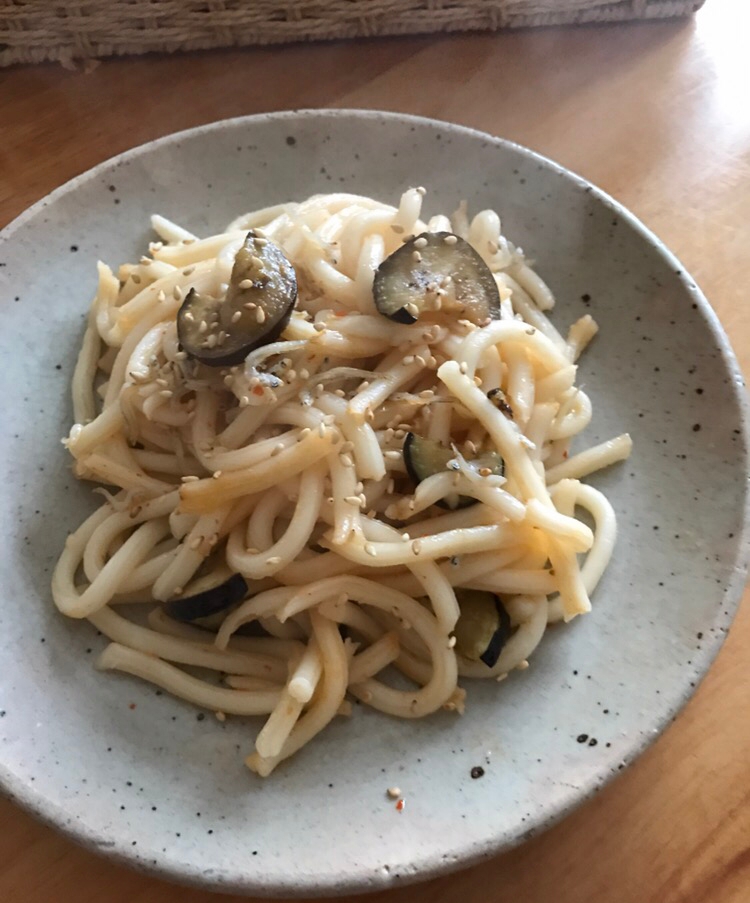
32	31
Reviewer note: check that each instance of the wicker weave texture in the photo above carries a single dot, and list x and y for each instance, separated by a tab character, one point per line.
33	31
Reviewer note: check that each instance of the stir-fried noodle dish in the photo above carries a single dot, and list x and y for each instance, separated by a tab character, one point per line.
334	447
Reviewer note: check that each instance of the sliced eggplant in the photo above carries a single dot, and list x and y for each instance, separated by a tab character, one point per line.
483	627
500	400
209	602
425	457
256	308
436	271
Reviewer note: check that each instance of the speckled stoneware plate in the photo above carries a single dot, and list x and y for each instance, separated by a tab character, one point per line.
157	787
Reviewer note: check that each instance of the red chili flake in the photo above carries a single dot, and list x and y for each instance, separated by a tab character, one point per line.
131	705
565	454
257	390
341	313
400	805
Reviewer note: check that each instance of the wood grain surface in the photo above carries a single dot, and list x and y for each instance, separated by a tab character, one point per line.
656	114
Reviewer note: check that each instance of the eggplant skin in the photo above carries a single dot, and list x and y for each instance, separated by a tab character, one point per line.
209	602
483	626
425	457
499	638
433	271
263	284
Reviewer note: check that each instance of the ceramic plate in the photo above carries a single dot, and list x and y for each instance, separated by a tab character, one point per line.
134	773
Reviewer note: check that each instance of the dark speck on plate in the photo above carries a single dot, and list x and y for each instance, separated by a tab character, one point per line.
477	772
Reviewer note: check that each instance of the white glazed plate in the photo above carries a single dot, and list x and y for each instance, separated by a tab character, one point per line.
129	771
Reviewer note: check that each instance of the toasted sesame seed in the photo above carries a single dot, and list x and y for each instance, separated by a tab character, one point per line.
216	474
394	792
136	278
220	716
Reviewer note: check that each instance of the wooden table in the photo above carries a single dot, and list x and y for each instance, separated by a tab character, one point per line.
656	114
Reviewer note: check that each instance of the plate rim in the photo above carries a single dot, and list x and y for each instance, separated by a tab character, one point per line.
25	795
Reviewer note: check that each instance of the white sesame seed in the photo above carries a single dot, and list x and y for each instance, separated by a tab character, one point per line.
352	500
370	549
220	716
246	283
407	360
450	239
451	642
189	271
166	393
236	316
416	547
394	792
195	542
420	243
216	474
416	257
177	293
260	315
274	560
346	460
463	367
189	478
322	430
249	305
